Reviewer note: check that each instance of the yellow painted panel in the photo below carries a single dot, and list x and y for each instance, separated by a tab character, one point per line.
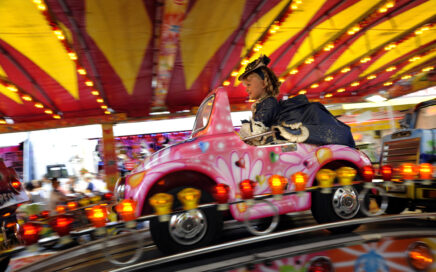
326	30
384	32
122	30
6	91
2	72
256	29
401	49
415	63
207	26
25	28
292	25
10	94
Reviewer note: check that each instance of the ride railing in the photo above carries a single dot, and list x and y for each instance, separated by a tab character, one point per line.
122	215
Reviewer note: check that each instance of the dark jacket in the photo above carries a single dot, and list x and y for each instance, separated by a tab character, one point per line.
322	126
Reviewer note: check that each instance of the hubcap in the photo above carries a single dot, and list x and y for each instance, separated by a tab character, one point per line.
345	202
189	227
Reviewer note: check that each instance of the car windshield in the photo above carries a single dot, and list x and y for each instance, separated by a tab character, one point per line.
203	115
427	118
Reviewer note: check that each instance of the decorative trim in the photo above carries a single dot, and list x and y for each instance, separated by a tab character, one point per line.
292	137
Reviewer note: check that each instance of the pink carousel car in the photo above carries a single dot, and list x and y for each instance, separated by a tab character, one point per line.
215	154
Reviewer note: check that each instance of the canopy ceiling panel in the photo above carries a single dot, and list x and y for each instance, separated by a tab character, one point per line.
77	61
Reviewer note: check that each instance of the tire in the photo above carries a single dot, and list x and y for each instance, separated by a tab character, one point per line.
396	205
341	204
175	235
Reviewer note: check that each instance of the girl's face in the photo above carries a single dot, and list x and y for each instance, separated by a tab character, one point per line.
255	86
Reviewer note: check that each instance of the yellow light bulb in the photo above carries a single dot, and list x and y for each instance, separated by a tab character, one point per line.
346	69
39	105
293	71
12	88
26	97
354	84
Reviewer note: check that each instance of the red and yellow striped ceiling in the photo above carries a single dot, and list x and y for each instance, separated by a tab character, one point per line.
68	59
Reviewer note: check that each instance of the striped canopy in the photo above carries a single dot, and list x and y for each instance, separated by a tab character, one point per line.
69	62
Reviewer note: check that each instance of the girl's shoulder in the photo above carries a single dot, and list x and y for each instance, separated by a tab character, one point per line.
268	101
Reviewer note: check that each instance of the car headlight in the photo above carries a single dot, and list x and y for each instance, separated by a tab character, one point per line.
120	188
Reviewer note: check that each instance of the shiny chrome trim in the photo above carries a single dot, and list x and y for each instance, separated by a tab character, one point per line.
274	222
276	235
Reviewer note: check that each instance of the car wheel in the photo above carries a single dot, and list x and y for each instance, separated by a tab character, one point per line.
187	230
340	204
396	205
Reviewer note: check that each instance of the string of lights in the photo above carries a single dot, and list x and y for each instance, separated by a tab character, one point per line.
328	46
388	68
59	33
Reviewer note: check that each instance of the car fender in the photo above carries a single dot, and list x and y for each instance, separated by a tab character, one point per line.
139	184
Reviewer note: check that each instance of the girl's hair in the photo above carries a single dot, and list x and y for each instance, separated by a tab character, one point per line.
272	83
259	67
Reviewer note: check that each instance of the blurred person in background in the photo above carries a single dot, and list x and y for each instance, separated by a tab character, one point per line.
90	187
56	196
34	192
71	185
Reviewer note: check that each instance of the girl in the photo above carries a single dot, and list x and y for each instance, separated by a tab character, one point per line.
262	86
294	120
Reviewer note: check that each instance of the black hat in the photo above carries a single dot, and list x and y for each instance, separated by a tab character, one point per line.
262	61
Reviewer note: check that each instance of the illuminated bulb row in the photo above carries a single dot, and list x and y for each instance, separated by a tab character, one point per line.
365	60
345	70
390	69
309	60
72	55
389	4
422	29
274	28
293	72
259	45
295	4
41	6
59	34
390	46
29	98
414	59
354	30
329	47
